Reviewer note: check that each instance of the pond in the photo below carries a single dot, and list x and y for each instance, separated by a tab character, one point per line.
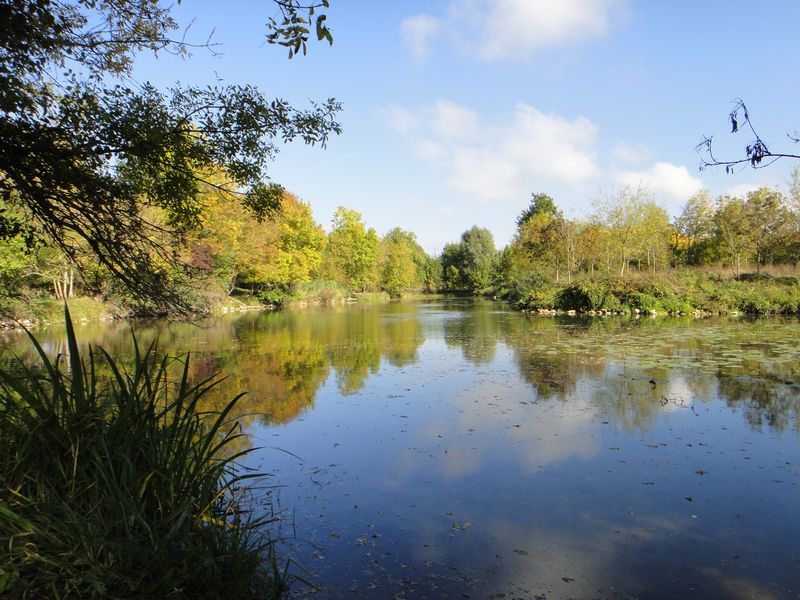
458	449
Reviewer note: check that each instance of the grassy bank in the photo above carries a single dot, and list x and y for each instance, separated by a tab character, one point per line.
115	486
669	293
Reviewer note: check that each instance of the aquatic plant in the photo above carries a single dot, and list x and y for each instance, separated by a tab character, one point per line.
116	485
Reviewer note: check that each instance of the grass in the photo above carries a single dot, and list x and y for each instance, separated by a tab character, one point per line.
672	292
114	485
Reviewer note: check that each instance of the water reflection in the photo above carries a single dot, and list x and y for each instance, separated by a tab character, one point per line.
456	448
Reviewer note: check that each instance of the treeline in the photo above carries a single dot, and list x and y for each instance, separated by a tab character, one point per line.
628	234
288	256
228	254
628	256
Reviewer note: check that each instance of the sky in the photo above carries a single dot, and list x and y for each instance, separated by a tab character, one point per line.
456	111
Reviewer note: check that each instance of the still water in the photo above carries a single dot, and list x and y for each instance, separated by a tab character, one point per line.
457	449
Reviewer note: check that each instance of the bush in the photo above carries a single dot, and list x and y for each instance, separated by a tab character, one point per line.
115	485
589	295
532	292
277	296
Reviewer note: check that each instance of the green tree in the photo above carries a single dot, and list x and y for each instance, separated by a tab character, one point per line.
546	239
631	219
695	228
398	267
15	262
432	274
733	230
85	154
478	257
451	261
793	201
769	220
541	204
654	233
590	246
352	251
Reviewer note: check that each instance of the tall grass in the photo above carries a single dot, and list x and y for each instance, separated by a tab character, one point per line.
113	484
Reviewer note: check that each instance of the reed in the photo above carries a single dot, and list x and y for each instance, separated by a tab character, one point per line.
114	483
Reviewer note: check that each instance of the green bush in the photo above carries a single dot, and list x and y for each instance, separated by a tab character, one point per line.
644	302
589	295
532	292
116	485
277	296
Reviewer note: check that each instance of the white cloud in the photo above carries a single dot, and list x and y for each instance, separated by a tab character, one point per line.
418	31
741	190
400	119
452	121
515	28
512	29
429	150
501	160
664	179
630	153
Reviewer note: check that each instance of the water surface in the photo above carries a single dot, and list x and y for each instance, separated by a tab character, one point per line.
458	449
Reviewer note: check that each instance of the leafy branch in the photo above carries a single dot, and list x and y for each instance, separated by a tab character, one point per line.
293	31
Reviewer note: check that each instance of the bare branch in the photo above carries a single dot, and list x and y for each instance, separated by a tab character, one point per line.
757	153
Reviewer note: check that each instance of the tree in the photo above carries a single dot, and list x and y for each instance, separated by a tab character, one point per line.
695	226
235	252
590	246
451	260
541	204
352	252
769	221
91	158
732	227
397	265
478	256
627	217
545	238
793	244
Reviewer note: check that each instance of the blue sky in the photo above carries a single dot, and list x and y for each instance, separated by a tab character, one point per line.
456	110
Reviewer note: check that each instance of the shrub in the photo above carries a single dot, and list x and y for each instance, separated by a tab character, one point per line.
589	295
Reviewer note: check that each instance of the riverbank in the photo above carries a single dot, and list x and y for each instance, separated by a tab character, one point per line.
673	293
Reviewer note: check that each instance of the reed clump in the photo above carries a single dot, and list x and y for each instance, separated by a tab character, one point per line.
115	484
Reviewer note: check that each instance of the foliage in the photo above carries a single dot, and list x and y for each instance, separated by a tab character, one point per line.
674	293
268	257
110	472
470	264
292	31
636	227
541	204
94	161
352	252
400	260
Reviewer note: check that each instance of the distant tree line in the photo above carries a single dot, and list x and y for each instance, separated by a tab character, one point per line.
628	232
229	252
